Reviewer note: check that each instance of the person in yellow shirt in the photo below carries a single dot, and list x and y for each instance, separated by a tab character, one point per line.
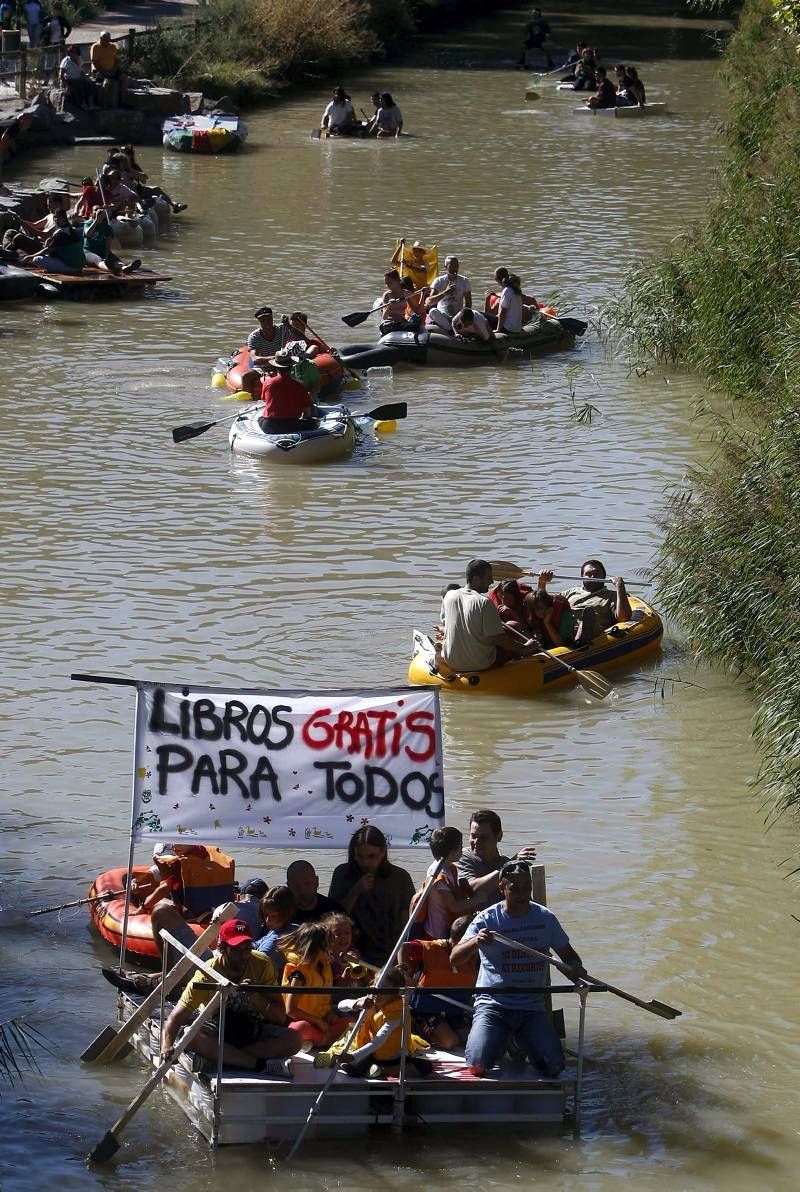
106	67
256	1036
308	965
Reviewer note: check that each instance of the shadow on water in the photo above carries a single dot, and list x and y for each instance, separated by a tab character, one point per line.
649	30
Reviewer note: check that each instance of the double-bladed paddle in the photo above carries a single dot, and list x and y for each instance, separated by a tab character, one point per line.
192	430
654	1007
360	316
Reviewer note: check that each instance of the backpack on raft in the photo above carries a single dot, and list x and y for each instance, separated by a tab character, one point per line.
202	878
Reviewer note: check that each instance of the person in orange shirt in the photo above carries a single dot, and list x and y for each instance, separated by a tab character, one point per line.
427	962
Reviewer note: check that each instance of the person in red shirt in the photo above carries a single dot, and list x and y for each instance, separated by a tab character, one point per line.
287	403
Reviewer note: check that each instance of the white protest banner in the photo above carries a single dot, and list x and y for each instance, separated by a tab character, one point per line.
286	769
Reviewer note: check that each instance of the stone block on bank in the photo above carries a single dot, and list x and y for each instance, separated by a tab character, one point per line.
158	101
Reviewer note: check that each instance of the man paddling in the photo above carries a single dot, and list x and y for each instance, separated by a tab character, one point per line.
256	1036
474	636
518	1013
597	606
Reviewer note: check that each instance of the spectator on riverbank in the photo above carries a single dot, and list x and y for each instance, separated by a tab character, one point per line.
72	77
107	69
34	15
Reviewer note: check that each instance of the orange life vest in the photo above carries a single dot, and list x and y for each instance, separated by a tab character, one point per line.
201	878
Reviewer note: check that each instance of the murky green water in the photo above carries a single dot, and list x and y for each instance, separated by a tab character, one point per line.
127	555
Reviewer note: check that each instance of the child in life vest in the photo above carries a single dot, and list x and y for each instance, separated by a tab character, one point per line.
441	1018
308	964
349	967
379	1038
451	896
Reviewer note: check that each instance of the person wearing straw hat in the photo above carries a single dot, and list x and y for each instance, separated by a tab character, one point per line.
287	403
517	1013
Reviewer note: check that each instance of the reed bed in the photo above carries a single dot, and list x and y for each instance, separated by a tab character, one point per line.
725	302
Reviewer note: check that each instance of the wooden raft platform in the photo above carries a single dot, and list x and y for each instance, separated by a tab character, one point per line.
93	281
244	1108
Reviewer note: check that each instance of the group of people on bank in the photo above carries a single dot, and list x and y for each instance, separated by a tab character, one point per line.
480	629
78	228
292	936
340	120
446	304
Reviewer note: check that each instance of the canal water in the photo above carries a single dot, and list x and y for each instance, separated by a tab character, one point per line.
127	555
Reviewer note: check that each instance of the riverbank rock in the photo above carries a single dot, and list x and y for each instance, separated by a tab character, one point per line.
158	102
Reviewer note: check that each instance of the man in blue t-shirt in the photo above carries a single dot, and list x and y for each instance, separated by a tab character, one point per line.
508	1013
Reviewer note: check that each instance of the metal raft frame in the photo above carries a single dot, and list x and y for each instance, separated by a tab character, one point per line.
247	1108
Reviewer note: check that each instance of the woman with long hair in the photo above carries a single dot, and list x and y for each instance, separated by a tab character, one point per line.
374	893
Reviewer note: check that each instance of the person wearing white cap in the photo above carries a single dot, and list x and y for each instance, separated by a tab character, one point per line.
450	293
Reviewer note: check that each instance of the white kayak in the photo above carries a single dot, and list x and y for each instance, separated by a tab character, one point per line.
626	111
334	437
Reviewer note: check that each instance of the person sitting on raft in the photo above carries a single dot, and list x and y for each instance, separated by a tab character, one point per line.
256	1034
427	962
451	895
483	855
339	116
549	618
97	235
572	60
415	297
396	315
634	92
596	606
139	176
475	638
530	305
606	94
308	965
287	403
375	893
62	251
388	120
266	340
471	324
349	966
584	77
297	335
416	267
449	293
379	1038
277	915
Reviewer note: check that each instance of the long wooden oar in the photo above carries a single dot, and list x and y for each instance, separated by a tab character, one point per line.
108	1145
502	569
654	1007
46	910
334	353
591	681
361	316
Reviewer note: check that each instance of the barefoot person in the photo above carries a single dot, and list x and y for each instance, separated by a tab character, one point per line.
510	1014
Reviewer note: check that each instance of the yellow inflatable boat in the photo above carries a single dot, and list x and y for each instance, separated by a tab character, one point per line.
627	642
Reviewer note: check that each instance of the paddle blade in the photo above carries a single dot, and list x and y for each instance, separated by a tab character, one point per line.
576	326
98	1044
663	1010
191	431
356	318
503	570
594	683
106	1148
392	410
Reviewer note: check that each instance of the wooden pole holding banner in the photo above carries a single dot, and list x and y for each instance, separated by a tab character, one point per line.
126	912
350	1038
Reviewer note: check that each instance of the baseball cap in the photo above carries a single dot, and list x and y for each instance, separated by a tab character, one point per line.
256	886
235	932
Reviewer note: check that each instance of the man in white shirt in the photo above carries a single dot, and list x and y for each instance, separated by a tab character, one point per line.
450	293
471	324
474	636
339	113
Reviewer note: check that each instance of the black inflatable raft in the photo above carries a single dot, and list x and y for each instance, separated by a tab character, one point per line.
435	349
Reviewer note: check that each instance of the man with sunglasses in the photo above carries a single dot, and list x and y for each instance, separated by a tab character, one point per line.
517	1013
